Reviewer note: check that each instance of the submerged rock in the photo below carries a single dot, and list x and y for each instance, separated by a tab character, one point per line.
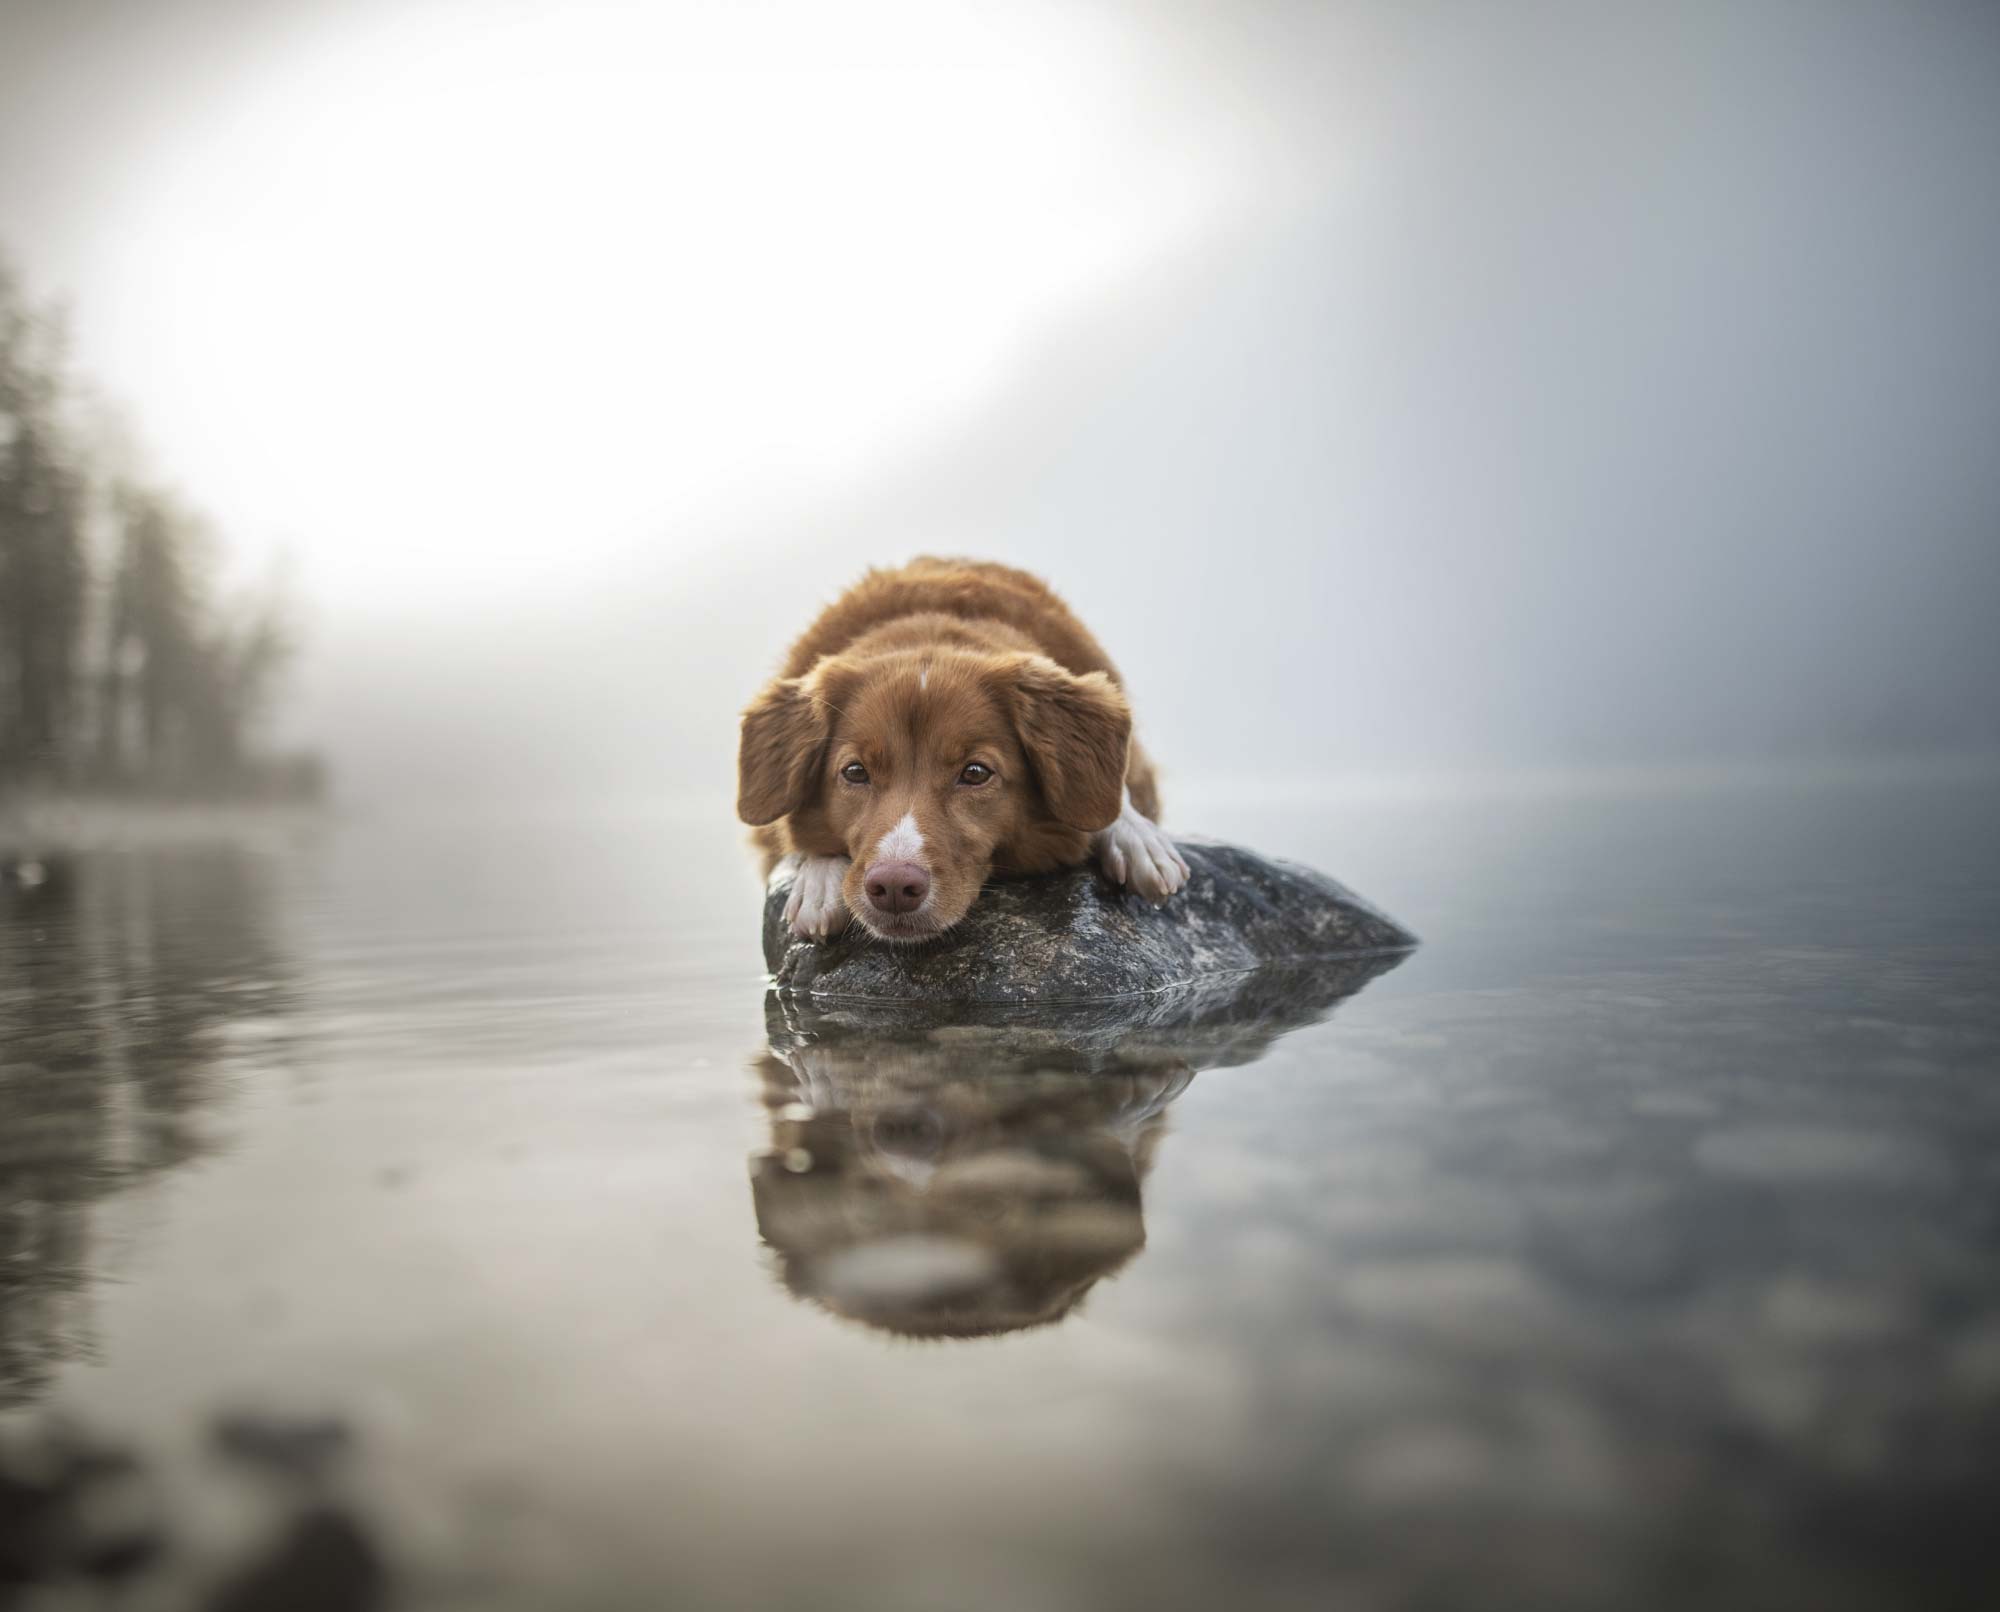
1075	938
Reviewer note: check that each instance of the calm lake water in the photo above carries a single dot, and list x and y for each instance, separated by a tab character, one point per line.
435	1213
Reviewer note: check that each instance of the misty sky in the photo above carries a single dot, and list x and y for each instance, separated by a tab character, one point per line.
1392	386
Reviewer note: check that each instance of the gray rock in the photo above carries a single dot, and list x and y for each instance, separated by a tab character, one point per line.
1075	938
1218	1023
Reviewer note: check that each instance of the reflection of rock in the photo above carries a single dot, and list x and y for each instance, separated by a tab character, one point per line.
1074	937
951	1179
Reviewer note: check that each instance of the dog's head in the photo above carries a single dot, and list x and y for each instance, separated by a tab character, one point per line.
930	768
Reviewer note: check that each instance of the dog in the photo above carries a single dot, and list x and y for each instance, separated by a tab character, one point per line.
941	723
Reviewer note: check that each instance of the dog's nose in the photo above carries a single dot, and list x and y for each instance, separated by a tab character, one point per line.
897	886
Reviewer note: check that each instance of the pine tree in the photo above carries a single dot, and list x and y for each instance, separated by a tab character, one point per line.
43	569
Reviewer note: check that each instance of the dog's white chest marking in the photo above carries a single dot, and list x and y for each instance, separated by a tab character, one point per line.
816	909
903	843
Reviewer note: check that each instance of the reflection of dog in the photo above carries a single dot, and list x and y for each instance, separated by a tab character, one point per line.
929	1192
936	724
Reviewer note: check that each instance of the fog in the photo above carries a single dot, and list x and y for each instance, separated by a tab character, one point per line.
1393	387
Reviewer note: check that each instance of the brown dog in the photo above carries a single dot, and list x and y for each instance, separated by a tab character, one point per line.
937	724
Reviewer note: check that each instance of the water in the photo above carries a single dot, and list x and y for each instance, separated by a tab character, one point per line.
453	1187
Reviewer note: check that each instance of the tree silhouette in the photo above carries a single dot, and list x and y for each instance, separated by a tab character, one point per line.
43	568
145	680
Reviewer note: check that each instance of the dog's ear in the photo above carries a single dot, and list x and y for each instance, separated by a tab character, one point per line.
1076	731
784	733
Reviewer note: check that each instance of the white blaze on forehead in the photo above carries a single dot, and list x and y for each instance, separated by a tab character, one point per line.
903	843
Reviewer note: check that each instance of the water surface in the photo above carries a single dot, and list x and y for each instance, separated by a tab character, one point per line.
1635	1242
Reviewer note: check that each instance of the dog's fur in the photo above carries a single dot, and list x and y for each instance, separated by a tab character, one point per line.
854	760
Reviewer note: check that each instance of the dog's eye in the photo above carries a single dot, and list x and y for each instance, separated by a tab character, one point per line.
976	772
854	773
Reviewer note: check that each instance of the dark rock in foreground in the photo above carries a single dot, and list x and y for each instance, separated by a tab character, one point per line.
1076	938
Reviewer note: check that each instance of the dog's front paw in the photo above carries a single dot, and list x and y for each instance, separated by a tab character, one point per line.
1133	852
816	910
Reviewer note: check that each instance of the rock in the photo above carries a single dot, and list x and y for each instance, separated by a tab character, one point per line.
1221	1023
325	1562
305	1447
1074	938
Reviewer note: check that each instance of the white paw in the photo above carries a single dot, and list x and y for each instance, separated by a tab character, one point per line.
816	910
1133	851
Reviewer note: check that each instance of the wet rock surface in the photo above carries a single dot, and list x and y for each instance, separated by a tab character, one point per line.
1076	938
1215	1023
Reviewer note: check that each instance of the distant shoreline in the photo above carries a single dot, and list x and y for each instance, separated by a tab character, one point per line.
37	823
